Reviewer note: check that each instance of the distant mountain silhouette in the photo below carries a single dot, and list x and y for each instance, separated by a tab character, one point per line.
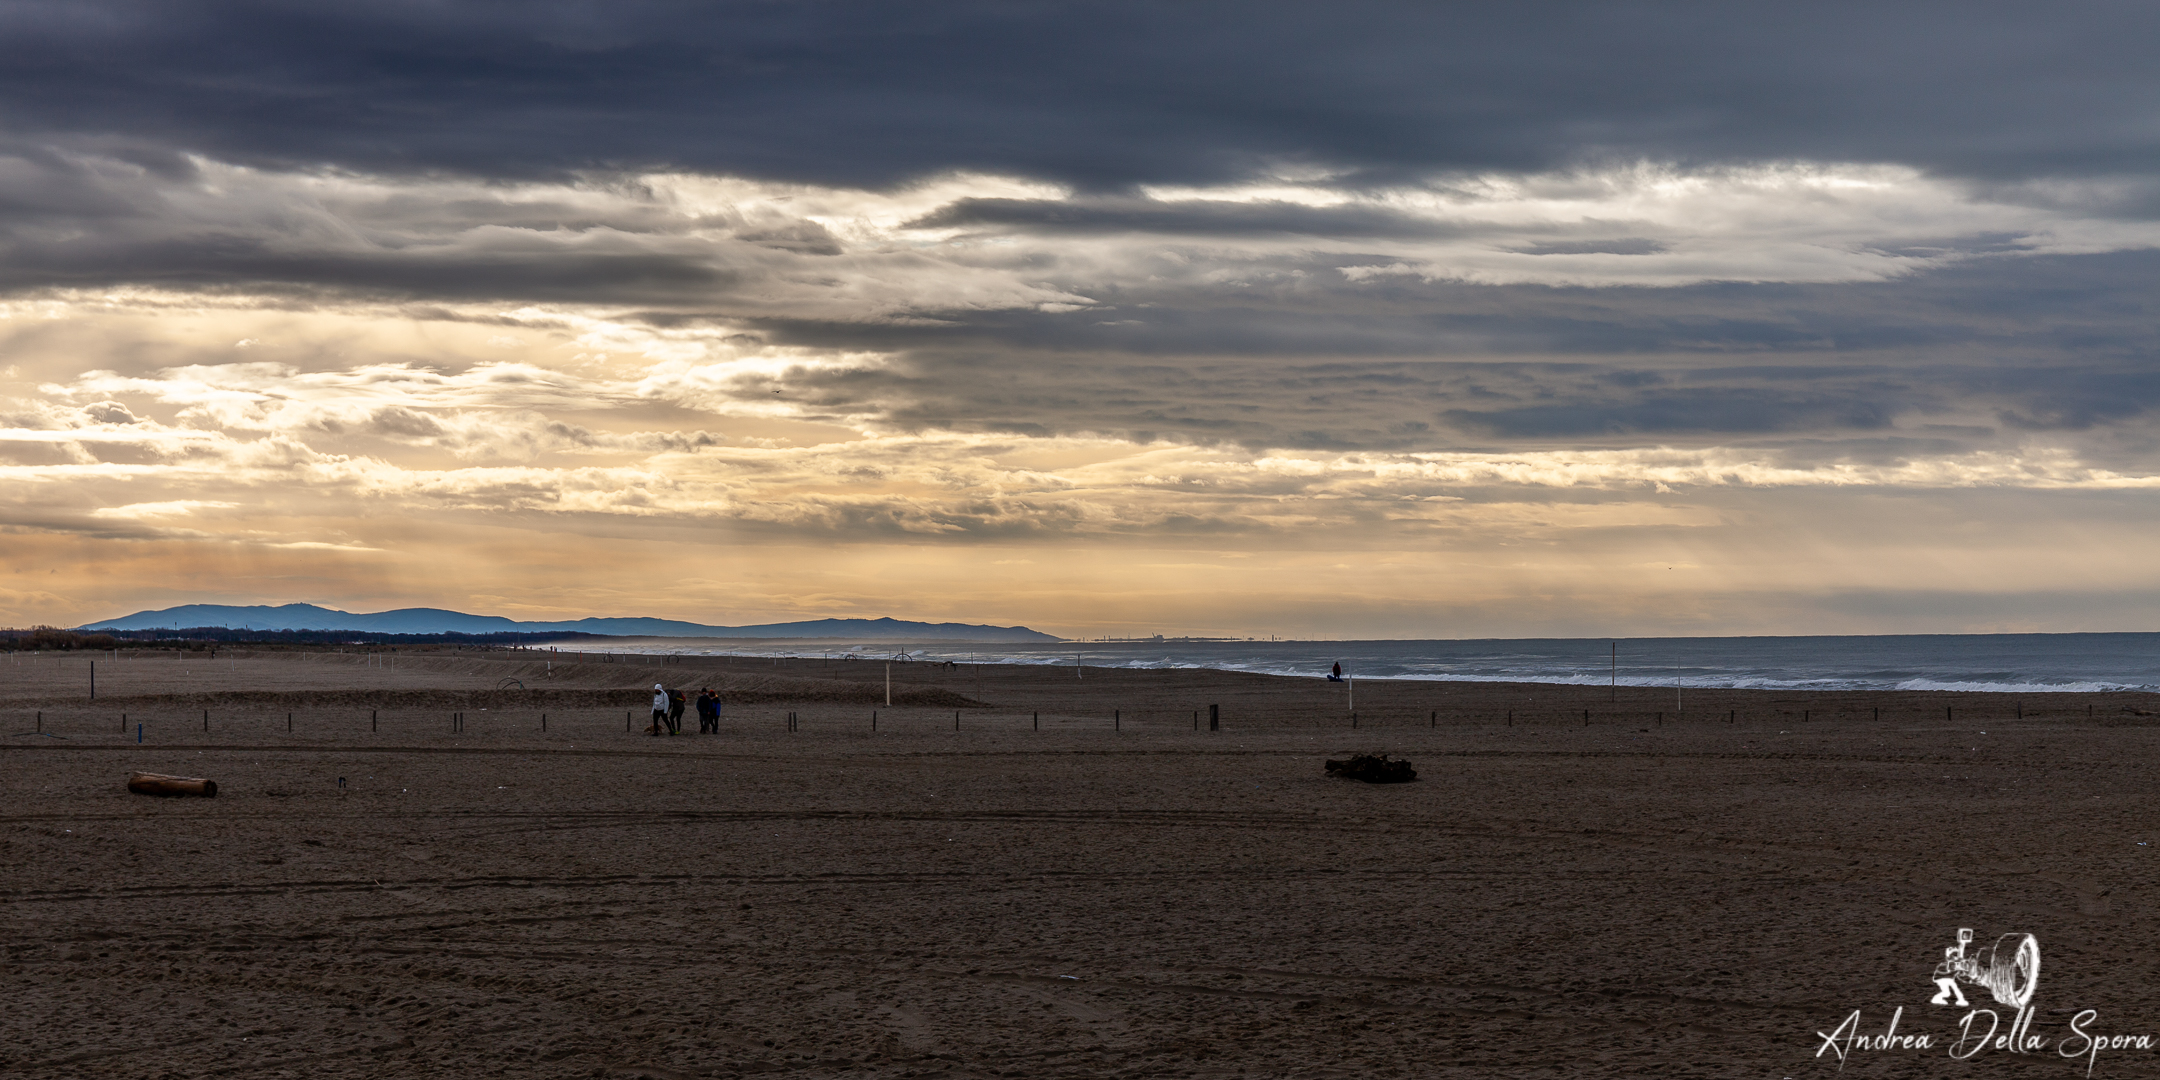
440	621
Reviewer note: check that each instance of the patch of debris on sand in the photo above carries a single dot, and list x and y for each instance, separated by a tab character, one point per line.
1373	769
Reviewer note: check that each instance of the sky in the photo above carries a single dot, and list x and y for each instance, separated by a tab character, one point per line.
1108	319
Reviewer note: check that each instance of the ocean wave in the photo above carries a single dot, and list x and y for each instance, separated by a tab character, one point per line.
2019	687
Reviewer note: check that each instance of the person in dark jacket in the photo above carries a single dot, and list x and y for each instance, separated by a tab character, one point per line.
708	712
676	700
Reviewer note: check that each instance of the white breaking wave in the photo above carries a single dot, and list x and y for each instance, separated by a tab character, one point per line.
2020	688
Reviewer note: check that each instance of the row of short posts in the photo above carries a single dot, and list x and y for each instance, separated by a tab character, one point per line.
1433	719
794	721
457	722
1117	719
1732	716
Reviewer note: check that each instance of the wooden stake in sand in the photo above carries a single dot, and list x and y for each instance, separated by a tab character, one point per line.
93	680
888	686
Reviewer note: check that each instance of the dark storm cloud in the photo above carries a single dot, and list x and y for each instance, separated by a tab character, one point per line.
1626	245
241	262
2029	311
482	153
1751	410
1960	359
1379	405
1101	94
1190	218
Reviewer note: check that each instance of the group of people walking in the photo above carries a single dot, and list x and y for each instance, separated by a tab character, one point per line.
668	706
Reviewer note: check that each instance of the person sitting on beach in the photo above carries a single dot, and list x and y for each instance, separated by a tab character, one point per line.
659	709
1335	675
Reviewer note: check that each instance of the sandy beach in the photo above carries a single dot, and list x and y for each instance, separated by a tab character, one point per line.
1033	871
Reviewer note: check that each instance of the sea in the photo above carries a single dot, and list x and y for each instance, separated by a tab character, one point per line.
2020	663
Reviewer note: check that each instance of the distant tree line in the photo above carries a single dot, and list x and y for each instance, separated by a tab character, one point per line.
53	639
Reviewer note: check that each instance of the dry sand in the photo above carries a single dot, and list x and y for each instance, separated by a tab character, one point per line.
1632	896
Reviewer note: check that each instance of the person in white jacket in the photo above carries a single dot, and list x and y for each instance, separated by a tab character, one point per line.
659	708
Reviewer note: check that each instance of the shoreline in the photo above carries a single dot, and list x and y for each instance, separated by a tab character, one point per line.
1976	663
2015	674
318	683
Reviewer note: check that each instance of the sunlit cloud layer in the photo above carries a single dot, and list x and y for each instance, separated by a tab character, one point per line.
583	427
1445	348
967	242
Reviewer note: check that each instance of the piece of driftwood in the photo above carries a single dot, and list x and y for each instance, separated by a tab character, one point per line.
1373	769
150	783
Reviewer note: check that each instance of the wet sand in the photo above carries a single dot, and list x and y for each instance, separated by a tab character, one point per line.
1644	892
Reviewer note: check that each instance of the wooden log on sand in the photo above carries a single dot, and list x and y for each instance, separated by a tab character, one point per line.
147	783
